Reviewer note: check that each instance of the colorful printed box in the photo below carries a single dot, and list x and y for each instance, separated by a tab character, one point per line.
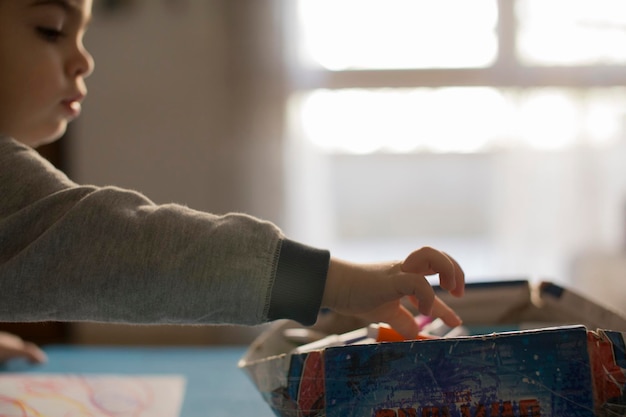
564	371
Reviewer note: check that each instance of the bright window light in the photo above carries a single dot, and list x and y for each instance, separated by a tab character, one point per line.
403	34
548	120
605	116
572	32
404	120
460	119
377	34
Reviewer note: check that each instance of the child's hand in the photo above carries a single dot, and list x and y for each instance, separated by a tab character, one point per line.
374	292
11	346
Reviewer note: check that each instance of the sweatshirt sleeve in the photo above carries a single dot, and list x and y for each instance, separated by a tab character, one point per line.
72	252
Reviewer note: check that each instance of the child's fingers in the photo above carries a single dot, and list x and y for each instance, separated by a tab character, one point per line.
404	323
418	289
12	346
440	310
33	353
445	313
430	261
459	277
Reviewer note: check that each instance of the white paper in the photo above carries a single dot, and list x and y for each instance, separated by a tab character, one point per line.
93	395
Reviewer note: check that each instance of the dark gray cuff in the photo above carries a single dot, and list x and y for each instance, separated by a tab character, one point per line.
299	284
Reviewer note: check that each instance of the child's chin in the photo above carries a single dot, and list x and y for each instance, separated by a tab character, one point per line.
38	139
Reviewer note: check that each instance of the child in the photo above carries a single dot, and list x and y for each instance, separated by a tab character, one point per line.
73	252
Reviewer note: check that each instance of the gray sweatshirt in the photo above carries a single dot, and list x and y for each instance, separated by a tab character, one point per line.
72	252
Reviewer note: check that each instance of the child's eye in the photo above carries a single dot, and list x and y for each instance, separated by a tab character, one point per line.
49	34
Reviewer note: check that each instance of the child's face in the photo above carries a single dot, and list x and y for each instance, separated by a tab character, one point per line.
43	65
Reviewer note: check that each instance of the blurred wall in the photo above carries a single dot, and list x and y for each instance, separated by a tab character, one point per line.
185	106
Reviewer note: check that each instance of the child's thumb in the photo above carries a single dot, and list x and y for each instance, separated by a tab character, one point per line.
404	323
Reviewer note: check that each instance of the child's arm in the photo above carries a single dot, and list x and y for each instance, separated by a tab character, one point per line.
11	346
373	292
88	253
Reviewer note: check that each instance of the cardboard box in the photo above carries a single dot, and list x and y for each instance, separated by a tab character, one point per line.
533	355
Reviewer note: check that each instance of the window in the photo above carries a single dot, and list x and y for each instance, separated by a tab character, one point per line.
370	34
491	128
413	65
461	119
563	32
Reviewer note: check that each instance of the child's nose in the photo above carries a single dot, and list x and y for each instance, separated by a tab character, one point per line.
81	64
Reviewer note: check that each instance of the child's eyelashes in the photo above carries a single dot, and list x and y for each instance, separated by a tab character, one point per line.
49	34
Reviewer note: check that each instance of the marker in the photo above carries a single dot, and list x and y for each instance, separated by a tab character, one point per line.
436	328
374	333
439	329
302	336
423	320
350	338
382	332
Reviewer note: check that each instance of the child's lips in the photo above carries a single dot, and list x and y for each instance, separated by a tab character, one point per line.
72	105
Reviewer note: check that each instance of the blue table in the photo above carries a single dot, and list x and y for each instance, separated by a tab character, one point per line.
215	386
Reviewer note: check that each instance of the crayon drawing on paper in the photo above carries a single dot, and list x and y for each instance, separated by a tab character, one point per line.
56	395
